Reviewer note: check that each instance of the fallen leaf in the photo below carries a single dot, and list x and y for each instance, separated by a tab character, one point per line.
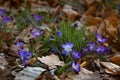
115	59
118	71
112	22
3	62
6	36
110	65
70	13
85	74
52	61
25	35
29	73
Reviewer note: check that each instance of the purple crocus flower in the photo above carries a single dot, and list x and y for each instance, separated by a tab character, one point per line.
99	38
37	17
2	12
59	33
91	45
6	19
102	49
19	44
35	32
85	49
25	56
67	48
75	67
76	55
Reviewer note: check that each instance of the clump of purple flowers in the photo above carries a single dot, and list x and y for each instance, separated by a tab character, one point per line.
67	49
92	47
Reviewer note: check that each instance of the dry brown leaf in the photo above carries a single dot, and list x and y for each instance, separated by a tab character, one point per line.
52	61
70	13
31	61
91	21
112	24
115	59
6	36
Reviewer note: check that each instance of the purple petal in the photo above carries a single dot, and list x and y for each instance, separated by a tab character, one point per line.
75	67
85	49
35	32
63	46
65	52
6	19
37	17
99	36
70	44
103	40
20	45
59	33
2	12
76	55
25	56
91	45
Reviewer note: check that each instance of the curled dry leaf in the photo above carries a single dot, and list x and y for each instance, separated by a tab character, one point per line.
111	68
115	59
52	61
70	13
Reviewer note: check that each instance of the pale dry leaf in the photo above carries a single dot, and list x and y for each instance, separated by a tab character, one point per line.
109	65
52	61
29	73
3	62
25	35
109	71
85	74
